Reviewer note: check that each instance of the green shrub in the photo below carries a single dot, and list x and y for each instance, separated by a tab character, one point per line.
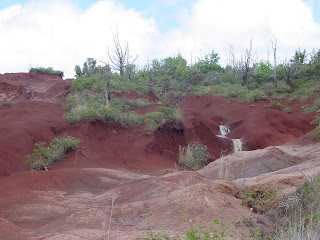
314	107
317	122
274	104
137	103
258	199
45	155
48	70
194	156
171	114
153	120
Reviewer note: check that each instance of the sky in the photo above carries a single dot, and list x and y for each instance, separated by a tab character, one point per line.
63	33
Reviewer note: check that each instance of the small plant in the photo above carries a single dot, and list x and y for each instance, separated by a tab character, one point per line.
251	106
194	156
274	104
288	109
228	102
257	199
196	231
45	155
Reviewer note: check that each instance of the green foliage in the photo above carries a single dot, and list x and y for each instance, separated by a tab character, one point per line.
44	155
153	120
314	107
263	72
48	70
176	67
208	64
89	68
317	122
92	82
171	114
274	104
137	103
258	199
193	156
196	231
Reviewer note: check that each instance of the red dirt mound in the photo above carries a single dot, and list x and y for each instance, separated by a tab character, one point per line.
21	126
255	124
15	87
108	145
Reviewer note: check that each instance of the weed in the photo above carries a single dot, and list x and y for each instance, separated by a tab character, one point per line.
194	156
274	104
258	199
196	231
317	121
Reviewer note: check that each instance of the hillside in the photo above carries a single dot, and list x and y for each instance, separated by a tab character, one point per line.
73	200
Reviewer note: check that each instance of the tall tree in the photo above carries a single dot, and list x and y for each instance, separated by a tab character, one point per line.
274	49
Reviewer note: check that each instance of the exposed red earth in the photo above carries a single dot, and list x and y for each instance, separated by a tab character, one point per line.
73	199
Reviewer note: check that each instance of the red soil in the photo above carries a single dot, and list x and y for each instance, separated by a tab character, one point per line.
256	125
72	199
15	87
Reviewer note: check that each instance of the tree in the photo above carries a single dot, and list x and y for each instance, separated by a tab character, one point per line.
209	63
89	68
246	63
274	49
176	67
119	56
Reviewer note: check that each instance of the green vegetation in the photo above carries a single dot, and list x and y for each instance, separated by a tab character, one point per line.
171	78
44	155
196	231
258	199
317	122
194	156
48	70
274	104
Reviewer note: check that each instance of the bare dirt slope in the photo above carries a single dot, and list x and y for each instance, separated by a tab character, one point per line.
73	199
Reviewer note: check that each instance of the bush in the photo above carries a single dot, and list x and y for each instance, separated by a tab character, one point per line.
137	103
302	211
171	114
314	107
317	121
44	155
153	120
48	70
194	156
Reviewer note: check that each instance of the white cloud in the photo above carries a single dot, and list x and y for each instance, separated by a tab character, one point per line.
214	23
60	35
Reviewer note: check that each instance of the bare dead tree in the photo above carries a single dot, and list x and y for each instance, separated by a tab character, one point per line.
232	58
119	55
246	62
274	49
288	73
